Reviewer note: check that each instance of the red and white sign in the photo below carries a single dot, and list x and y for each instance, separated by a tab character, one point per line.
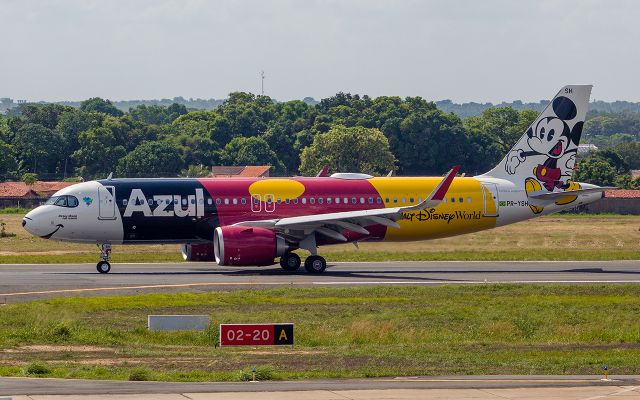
256	334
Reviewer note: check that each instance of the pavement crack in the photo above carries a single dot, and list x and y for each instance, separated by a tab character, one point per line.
185	396
339	394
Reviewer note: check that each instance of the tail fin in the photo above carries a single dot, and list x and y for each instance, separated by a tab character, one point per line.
547	150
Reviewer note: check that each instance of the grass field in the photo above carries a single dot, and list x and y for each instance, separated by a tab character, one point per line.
560	237
354	332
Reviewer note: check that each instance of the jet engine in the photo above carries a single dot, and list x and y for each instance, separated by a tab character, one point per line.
243	246
198	252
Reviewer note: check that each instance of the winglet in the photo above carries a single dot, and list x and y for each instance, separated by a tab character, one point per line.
438	193
323	172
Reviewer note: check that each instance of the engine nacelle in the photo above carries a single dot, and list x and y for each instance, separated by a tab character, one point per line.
243	246
198	252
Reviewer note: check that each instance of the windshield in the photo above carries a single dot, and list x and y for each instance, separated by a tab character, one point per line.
63	201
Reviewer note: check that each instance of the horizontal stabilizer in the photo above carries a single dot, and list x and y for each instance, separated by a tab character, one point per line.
558	195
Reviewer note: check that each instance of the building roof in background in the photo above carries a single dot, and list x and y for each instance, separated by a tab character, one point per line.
635	173
240	171
622	194
40	188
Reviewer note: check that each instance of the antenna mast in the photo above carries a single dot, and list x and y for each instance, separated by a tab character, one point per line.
262	76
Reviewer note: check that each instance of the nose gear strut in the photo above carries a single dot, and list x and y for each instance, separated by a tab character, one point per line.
105	252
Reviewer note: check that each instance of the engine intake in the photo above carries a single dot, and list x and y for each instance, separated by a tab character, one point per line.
244	246
198	252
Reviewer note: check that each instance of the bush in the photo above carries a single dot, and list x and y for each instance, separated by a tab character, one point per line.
36	368
62	331
139	374
264	373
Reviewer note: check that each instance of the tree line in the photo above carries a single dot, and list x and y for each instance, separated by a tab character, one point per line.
349	133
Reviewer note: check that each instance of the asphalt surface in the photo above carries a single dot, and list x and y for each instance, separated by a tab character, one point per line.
35	386
28	281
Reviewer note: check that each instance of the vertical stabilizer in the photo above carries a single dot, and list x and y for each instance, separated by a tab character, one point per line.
547	151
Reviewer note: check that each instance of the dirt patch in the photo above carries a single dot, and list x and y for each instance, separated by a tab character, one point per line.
57	349
272	352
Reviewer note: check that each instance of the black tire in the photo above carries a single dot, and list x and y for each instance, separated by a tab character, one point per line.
315	264
290	262
103	267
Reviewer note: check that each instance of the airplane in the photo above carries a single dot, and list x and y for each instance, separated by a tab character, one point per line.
254	221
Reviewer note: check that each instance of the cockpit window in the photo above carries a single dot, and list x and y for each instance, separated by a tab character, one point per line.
63	201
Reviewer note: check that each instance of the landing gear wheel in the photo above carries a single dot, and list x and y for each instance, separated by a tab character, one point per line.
290	262
315	264
103	267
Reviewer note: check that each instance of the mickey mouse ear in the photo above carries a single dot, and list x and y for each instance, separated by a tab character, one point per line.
564	108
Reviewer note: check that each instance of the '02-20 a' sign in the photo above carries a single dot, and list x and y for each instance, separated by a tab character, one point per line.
256	334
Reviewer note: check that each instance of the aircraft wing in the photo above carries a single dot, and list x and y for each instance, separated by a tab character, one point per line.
557	195
330	224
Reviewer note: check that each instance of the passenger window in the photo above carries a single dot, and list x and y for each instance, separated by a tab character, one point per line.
193	201
184	202
209	202
386	200
461	199
286	201
354	200
226	201
243	201
175	201
337	200
404	199
320	200
295	201
279	201
468	199
395	199
345	200
328	200
361	200
124	202
150	201
370	200
304	200
379	200
218	202
453	199
420	199
256	200
312	200
410	199
235	201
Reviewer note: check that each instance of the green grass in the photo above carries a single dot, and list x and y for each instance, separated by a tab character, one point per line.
351	332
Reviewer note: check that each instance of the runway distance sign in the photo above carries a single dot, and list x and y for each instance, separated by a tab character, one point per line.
256	335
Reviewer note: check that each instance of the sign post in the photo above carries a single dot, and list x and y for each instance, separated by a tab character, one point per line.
256	334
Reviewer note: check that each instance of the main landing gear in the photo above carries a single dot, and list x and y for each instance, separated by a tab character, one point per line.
103	266
313	264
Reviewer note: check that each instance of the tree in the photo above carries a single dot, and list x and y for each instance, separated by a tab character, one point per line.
46	115
493	133
155	114
100	105
151	159
29	178
38	148
250	151
196	171
7	159
630	153
596	170
98	152
343	149
70	125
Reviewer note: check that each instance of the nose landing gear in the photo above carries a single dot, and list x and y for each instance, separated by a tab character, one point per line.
105	252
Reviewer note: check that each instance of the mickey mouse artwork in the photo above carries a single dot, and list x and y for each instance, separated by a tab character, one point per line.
554	141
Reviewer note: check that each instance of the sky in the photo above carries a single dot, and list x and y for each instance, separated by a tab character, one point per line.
464	50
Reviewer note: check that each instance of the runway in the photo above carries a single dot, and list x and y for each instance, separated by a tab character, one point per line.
444	387
23	282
